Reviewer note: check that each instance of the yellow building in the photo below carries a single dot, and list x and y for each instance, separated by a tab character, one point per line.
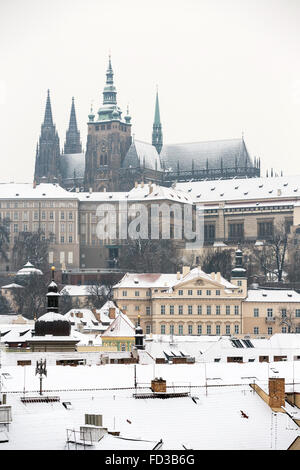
196	303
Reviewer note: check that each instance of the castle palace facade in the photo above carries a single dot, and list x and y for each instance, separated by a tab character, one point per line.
114	161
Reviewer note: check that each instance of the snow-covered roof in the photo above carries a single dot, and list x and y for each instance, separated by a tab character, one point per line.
27	191
104	311
12	286
121	326
272	295
212	420
52	316
28	269
152	280
244	189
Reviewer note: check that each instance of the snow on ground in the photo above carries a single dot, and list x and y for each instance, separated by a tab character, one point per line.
213	422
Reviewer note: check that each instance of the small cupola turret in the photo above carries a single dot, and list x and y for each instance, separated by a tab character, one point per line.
238	271
139	336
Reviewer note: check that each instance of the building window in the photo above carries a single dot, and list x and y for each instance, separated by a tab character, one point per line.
199	292
70	239
180	309
43	215
137	308
208	292
218	329
124	293
256	312
218	309
51	215
208	329
16	228
180	292
199	329
162	309
256	330
137	293
209	232
236	231
218	292
148	329
269	312
163	329
70	215
236	309
283	329
297	312
199	309
208	309
62	239
270	330
148	310
190	309
70	257
62	215
236	329
283	313
227	329
180	329
227	309
265	229
171	309
171	329
190	329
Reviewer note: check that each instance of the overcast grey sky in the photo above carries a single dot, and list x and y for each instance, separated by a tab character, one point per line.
223	67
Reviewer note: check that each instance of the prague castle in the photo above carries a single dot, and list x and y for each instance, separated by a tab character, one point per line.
113	160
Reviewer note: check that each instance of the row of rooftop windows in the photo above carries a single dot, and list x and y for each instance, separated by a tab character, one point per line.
36	216
37	203
200	309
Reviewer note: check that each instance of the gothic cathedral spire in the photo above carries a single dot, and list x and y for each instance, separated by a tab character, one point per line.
73	144
157	137
48	150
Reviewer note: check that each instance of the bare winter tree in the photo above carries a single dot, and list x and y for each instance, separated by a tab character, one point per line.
101	292
31	246
146	255
287	318
272	256
31	300
4	238
217	261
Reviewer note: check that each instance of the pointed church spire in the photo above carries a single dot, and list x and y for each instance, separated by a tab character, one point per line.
48	121
73	144
157	136
109	92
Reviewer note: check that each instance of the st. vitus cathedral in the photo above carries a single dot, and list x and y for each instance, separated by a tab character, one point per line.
113	160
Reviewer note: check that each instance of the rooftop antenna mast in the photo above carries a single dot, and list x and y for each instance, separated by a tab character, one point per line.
41	370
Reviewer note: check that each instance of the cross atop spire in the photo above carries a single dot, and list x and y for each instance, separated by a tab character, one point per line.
48	121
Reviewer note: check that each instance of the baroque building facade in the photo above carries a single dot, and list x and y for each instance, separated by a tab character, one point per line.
113	160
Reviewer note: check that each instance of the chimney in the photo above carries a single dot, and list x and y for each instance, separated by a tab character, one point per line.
142	184
212	275
178	275
136	184
150	188
104	190
112	313
34	184
185	270
96	314
77	190
218	276
276	392
90	190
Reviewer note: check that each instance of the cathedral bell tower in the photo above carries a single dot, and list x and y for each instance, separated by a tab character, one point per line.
108	140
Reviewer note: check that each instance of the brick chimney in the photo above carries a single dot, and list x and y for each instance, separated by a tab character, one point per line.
96	314
112	313
276	392
178	275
